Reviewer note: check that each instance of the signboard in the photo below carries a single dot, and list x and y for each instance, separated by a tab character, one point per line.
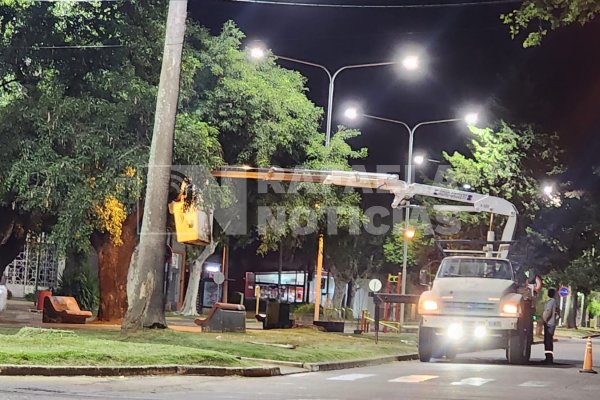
453	194
563	291
375	285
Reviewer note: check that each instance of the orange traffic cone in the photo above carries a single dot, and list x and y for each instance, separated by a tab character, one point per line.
587	358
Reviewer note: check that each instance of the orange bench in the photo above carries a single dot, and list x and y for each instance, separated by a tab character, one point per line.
63	309
224	317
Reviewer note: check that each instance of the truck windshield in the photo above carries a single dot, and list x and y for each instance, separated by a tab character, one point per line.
474	268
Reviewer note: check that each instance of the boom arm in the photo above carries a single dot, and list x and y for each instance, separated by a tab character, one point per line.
388	182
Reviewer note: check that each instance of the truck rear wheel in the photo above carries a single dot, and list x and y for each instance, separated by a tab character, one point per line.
426	343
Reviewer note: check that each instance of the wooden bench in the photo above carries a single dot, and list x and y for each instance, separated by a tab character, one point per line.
224	317
63	309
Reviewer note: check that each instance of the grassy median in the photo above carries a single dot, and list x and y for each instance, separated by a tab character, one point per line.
576	333
30	346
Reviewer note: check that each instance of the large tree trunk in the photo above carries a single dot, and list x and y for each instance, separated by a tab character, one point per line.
9	250
191	293
113	266
145	284
584	305
572	317
12	237
341	286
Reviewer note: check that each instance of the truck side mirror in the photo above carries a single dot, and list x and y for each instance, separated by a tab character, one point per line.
424	278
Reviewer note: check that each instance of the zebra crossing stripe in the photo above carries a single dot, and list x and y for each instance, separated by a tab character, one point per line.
536	384
476	381
349	377
414	378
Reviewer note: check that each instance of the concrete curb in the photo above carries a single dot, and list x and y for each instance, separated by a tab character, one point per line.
368	362
291	364
578	337
42	370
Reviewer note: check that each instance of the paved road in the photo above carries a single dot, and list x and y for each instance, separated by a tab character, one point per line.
483	375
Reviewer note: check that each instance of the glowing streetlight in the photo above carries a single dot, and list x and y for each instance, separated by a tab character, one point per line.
409	233
471	118
351	113
419	159
548	190
411	63
257	52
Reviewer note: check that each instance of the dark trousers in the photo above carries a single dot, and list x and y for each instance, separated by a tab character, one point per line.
549	341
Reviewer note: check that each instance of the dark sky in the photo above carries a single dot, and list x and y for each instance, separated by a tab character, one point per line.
470	61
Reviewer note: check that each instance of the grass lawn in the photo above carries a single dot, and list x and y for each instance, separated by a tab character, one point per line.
94	347
578	333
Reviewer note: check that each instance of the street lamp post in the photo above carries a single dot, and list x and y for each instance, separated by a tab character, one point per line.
410	63
470	119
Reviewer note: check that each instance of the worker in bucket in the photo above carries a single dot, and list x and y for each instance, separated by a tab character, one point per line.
549	318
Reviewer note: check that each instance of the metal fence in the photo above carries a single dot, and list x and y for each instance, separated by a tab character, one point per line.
35	268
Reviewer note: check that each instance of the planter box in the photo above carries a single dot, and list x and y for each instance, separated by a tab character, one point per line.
331	326
304	319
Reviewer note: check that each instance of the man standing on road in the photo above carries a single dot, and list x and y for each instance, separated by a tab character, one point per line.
549	318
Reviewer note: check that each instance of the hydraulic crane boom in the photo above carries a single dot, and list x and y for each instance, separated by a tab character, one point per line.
387	182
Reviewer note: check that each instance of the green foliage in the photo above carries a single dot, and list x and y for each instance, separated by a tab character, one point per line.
260	110
31	297
75	123
82	284
536	18
511	163
583	273
561	235
594	305
74	120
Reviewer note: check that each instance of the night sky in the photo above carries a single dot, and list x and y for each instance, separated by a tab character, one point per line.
471	60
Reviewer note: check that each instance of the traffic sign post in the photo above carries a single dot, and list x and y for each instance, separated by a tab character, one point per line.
375	285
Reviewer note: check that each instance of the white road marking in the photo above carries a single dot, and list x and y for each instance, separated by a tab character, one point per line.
472	382
349	377
535	384
414	378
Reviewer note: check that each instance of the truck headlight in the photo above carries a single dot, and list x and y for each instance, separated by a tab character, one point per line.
480	331
430	305
455	331
510	309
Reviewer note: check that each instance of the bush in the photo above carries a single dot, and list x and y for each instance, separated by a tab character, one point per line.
594	307
82	284
32	297
304	309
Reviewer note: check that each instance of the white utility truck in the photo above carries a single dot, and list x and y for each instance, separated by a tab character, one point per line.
476	301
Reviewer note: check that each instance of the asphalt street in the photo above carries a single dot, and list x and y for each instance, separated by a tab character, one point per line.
482	375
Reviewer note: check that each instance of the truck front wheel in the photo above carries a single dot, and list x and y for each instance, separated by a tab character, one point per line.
426	343
518	348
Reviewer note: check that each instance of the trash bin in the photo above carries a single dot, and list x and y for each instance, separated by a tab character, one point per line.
42	294
278	315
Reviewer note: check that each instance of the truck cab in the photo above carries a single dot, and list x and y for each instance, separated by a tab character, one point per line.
475	303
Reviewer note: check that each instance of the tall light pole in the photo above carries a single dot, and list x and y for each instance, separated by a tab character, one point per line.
410	63
469	119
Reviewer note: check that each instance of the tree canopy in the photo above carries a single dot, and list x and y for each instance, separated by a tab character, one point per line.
536	18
